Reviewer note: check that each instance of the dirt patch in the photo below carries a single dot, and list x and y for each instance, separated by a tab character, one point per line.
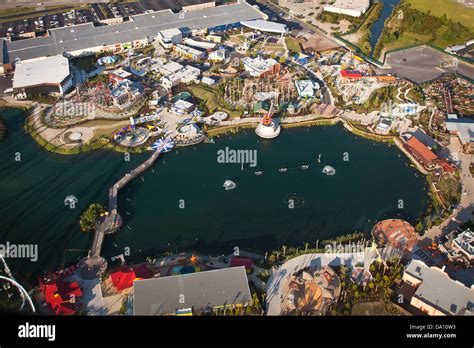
317	42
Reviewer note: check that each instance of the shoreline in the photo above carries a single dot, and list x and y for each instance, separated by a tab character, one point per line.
104	143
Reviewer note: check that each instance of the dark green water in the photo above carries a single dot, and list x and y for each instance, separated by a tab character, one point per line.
254	215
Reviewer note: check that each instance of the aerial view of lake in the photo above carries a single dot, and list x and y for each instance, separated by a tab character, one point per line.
180	203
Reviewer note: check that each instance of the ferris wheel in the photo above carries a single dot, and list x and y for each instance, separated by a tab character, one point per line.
25	297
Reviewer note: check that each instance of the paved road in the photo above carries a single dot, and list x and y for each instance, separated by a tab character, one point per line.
466	207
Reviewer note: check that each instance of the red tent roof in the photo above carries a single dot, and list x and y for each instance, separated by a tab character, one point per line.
59	295
123	278
350	73
237	261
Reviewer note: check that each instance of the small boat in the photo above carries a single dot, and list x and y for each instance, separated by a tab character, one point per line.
283	170
328	170
258	172
305	166
319	158
229	185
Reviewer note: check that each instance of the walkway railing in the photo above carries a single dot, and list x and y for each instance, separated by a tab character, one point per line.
110	222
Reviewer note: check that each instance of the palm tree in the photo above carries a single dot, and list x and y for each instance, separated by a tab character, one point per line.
284	250
306	247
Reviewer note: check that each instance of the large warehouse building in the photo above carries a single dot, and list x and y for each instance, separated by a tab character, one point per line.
138	31
48	75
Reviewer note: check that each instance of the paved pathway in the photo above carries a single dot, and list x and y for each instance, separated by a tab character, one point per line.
466	207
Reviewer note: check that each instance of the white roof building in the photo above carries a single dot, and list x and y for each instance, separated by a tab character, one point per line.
258	66
47	70
436	293
464	243
218	55
170	68
208	81
170	37
180	107
354	8
462	127
200	44
305	88
43	76
266	26
185	75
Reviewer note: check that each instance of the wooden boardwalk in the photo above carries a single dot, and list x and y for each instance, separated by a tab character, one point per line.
113	221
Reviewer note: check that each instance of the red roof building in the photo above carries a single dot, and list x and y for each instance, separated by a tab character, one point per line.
62	296
447	167
421	152
123	277
351	74
237	261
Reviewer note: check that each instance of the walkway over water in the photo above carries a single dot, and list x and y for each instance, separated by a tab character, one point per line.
93	265
113	221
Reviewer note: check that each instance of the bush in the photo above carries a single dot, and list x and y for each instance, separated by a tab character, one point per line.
89	218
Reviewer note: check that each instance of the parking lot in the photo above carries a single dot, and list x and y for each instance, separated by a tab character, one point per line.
39	24
40	21
424	63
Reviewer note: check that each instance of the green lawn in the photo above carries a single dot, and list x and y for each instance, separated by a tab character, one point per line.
212	102
424	26
292	45
453	10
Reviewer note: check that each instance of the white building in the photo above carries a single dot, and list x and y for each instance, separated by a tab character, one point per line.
306	88
208	81
464	245
48	75
259	67
169	37
181	107
354	8
189	52
217	55
436	293
170	68
187	74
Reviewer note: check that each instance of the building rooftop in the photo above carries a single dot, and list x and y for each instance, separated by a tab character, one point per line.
306	87
166	295
142	26
440	291
171	67
269	27
465	241
48	70
258	65
464	127
422	150
396	233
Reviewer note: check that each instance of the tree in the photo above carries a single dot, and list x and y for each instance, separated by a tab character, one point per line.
89	217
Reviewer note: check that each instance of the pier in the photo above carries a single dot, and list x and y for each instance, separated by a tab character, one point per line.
94	265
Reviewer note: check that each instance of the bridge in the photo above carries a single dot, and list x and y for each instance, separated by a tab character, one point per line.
93	265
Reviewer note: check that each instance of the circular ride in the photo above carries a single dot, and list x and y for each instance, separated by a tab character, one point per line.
132	136
168	145
107	60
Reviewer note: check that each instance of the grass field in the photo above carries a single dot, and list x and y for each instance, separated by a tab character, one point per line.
212	102
292	45
453	10
423	22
